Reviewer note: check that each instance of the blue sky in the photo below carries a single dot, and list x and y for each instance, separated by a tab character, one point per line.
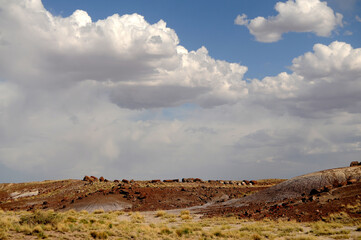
216	90
211	24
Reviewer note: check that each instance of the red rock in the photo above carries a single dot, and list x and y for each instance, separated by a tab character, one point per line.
87	178
171	180
354	163
254	182
187	179
327	188
351	181
95	179
101	179
142	196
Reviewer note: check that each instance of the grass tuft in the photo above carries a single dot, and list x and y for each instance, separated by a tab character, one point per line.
99	235
42	217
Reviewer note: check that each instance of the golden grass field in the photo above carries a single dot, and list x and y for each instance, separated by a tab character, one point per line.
167	225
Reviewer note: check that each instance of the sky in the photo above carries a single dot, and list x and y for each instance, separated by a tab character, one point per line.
170	89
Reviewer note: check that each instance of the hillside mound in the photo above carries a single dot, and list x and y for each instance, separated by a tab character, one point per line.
99	201
303	185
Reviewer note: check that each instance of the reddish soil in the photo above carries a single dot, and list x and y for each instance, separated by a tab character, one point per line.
303	209
135	196
310	197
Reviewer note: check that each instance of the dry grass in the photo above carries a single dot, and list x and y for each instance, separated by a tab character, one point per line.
102	225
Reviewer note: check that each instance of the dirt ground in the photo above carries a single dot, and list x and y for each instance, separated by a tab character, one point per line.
205	198
302	209
136	196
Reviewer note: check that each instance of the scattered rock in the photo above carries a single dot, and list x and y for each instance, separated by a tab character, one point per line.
351	181
254	182
142	196
187	180
171	180
354	163
246	182
95	179
87	178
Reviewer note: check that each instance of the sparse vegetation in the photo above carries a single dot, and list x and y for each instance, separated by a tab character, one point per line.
117	225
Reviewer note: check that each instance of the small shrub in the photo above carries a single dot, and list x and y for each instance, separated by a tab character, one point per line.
61	227
165	230
301	238
256	237
7	222
41	217
137	218
218	233
71	219
99	211
160	213
183	231
84	221
38	231
3	235
84	212
185	215
340	217
26	229
343	236
185	212
99	235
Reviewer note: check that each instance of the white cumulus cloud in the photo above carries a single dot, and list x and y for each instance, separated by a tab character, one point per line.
293	16
122	98
119	53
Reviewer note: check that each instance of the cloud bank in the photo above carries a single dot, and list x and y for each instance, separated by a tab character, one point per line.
122	98
120	54
293	16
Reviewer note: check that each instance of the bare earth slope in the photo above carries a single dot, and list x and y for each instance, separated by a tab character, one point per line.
304	184
133	196
309	197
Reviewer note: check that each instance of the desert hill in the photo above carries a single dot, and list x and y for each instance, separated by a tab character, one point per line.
92	193
312	183
308	197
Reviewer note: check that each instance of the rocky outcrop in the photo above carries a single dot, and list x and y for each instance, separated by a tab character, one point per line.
171	180
156	181
87	179
95	179
312	183
355	163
